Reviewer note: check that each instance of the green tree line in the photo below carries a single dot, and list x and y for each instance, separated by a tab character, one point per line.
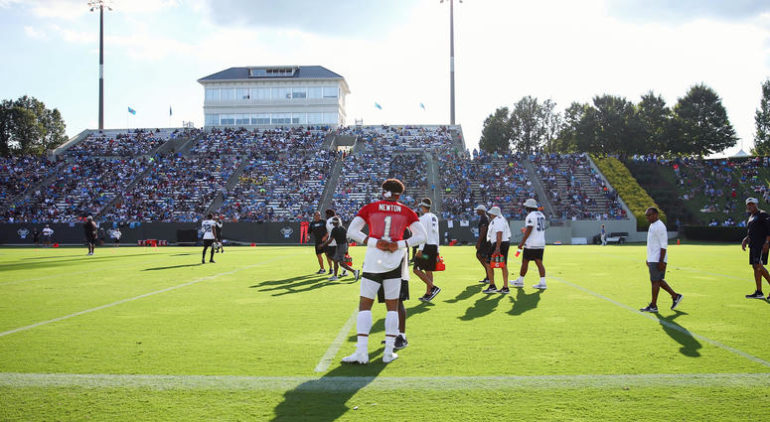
28	127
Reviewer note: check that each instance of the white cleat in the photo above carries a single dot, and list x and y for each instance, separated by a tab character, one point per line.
517	285
360	358
540	286
389	357
333	278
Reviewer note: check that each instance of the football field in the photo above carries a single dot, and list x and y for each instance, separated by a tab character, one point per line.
150	334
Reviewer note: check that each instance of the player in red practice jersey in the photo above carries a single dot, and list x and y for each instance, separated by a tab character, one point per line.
385	248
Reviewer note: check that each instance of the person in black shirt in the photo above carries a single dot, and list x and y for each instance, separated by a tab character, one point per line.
483	247
89	227
340	236
220	247
318	229
758	240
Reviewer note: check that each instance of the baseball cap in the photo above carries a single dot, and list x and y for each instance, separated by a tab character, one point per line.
481	208
752	200
495	211
335	220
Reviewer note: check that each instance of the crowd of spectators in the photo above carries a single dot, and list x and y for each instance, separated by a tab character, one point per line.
266	144
577	191
359	183
285	189
121	143
412	170
18	174
390	139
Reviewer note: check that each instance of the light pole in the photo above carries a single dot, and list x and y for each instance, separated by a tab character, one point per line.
101	5
451	61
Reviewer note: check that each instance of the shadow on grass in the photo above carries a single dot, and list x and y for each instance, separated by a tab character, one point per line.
524	302
53	263
325	399
483	307
300	284
468	293
680	334
172	267
285	281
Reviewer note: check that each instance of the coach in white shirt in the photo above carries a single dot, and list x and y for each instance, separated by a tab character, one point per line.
427	253
657	243
499	235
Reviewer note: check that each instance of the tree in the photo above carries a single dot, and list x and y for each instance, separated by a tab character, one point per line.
700	125
496	134
612	120
571	130
762	123
533	125
28	127
653	118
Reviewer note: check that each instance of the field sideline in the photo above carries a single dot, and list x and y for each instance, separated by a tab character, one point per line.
150	334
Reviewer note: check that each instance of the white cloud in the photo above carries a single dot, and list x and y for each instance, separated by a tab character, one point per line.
35	33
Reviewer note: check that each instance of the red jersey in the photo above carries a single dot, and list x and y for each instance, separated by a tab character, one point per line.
387	219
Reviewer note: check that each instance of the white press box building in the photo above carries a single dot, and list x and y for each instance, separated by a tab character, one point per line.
275	96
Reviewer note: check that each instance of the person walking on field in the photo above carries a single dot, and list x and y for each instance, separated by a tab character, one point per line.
758	241
657	258
533	244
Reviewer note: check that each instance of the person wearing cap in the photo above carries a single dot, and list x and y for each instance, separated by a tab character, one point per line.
758	240
427	253
339	236
532	243
90	229
331	248
483	247
47	233
499	236
657	259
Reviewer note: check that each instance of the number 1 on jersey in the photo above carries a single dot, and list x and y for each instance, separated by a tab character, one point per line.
386	231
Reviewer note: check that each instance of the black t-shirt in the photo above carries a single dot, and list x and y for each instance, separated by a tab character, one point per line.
483	226
318	228
758	229
340	235
90	228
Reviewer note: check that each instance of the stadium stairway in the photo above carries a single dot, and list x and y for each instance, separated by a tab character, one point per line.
434	180
73	141
219	198
119	194
45	182
331	185
544	199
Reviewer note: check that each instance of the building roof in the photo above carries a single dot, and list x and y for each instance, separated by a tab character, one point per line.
271	72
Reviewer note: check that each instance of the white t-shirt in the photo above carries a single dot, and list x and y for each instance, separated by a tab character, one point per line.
536	239
47	231
498	224
329	227
405	265
207	226
430	222
657	239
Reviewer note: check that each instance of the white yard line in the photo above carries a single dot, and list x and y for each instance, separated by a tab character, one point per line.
666	323
326	360
459	383
109	305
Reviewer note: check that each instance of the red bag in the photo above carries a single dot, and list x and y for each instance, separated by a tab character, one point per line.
497	261
348	260
440	266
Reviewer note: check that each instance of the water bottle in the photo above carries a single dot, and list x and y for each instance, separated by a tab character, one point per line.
518	252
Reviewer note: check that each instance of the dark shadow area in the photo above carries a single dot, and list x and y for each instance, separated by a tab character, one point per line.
286	280
183	254
63	262
325	399
468	293
524	302
171	267
680	334
83	255
484	306
301	284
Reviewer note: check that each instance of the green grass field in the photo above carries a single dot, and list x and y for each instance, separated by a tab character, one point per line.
148	334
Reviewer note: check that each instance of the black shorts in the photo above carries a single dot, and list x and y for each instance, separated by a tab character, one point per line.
504	246
91	239
484	250
428	260
403	296
532	254
757	257
319	249
330	251
208	242
380	277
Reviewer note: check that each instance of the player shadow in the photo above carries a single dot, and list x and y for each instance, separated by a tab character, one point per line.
680	334
326	398
58	258
20	265
484	306
524	302
171	267
468	293
287	280
293	288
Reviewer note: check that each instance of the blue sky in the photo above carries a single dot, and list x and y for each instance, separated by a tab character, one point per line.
392	52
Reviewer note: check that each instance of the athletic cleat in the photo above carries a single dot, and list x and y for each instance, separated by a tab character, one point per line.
400	343
211	261
517	285
321	271
676	301
484	281
756	295
424	298
344	273
433	292
490	289
203	261
389	357
650	309
330	271
542	286
357	273
504	291
360	358
333	278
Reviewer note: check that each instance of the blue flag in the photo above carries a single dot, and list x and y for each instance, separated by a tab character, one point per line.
422	106
132	111
170	113
377	105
